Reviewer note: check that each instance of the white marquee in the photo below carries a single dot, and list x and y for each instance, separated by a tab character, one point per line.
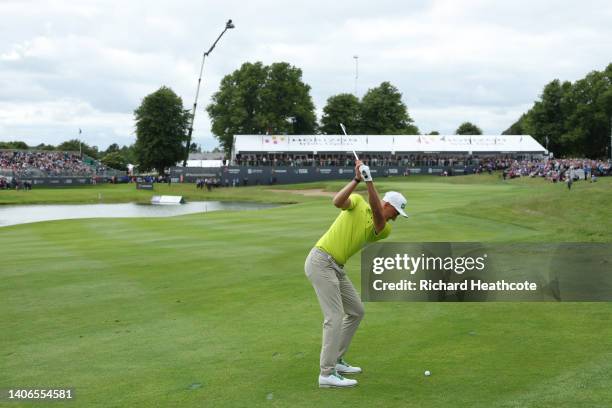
387	143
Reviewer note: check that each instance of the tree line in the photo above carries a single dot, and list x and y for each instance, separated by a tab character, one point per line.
572	119
267	99
260	99
254	99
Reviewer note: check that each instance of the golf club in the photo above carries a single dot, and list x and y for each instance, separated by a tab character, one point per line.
365	170
344	131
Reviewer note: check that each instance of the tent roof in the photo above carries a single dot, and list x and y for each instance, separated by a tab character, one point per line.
387	143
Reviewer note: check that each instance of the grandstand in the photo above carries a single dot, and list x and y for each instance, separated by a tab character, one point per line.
383	149
271	159
52	167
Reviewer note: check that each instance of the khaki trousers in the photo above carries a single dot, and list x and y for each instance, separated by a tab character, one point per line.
341	306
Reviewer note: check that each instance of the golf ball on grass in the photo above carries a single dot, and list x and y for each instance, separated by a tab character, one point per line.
427	373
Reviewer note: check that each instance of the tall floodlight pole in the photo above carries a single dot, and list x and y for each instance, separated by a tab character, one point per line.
356	57
228	26
80	144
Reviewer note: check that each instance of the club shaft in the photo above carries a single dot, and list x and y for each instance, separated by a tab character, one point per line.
344	131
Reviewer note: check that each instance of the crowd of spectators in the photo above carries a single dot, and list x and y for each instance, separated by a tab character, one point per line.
26	163
557	169
511	166
10	183
213	182
16	165
347	160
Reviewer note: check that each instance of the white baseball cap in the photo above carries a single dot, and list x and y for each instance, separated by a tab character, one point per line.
397	200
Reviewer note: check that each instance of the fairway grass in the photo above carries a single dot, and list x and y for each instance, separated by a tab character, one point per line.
214	309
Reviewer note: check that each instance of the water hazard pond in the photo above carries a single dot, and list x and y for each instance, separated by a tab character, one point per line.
22	214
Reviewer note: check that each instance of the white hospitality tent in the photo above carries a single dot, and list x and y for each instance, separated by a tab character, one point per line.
204	159
203	163
394	144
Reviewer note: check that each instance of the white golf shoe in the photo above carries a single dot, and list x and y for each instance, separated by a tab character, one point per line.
343	367
335	380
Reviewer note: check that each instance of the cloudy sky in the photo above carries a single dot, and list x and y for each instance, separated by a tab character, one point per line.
87	64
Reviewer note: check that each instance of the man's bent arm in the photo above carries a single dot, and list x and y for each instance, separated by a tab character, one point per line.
341	199
376	206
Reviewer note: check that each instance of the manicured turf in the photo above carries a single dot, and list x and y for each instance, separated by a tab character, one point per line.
214	309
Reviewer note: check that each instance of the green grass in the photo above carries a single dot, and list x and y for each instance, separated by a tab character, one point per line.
124	193
132	312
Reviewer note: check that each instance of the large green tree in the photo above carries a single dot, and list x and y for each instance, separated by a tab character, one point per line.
119	157
587	125
129	153
76	145
343	108
547	118
468	128
17	145
257	99
113	147
115	160
383	112
161	125
573	118
518	128
288	107
43	146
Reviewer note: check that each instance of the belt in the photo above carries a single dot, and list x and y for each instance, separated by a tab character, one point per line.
330	258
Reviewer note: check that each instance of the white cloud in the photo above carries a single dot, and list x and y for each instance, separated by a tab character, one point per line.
61	120
484	116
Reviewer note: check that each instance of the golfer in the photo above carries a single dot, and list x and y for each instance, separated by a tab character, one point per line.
357	224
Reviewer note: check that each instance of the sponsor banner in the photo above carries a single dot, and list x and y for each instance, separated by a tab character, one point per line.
57	182
480	272
144	186
295	174
202	175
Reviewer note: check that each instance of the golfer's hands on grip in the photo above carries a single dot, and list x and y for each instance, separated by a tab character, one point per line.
362	172
358	175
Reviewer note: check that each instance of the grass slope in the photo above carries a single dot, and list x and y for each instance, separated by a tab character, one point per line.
214	309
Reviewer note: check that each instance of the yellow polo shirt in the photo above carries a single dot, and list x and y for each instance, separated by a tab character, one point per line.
351	230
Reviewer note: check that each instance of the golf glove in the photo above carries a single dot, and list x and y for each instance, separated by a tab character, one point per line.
365	173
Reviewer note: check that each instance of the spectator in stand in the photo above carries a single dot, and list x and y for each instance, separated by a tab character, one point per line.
31	163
